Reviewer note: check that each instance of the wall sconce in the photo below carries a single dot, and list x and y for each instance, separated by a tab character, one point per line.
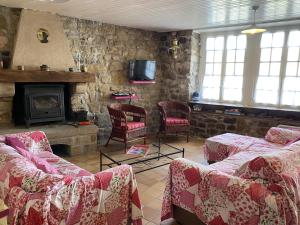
174	45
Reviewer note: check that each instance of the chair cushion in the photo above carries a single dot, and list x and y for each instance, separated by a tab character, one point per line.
134	125
176	121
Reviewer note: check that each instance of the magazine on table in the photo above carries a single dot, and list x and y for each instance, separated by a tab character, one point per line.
141	150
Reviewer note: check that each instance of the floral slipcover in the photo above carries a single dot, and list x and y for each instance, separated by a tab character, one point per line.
34	197
220	147
282	135
264	190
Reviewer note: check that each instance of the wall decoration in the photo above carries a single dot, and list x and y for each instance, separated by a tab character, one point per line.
42	35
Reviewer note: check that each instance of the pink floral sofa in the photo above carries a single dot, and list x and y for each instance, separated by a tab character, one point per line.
259	185
39	187
222	146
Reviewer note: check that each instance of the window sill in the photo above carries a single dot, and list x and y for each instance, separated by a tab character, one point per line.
240	110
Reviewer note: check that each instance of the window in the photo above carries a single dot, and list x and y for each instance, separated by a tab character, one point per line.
227	87
291	84
233	79
267	86
270	76
213	68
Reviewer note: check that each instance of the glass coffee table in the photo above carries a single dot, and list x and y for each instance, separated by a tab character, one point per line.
160	154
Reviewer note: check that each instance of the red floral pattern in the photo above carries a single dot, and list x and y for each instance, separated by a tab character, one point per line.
282	136
263	190
220	147
35	197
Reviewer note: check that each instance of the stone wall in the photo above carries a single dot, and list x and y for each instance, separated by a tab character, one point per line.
106	50
207	124
9	19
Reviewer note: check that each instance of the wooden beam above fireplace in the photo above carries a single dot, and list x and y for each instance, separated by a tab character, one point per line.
16	76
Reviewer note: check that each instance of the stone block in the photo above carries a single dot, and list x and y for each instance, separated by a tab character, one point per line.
80	88
7	89
229	120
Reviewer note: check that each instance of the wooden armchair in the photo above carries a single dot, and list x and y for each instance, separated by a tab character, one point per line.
174	118
124	130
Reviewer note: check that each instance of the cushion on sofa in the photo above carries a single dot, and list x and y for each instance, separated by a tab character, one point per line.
282	135
35	141
176	121
37	161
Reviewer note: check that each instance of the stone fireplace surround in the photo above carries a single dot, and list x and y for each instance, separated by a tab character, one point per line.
79	140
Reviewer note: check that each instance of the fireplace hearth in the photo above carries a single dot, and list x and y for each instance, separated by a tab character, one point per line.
39	103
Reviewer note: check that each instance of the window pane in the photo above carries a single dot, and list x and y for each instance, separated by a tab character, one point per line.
264	69
230	69
265	55
267	97
274	69
239	68
235	82
241	42
230	55
294	38
278	39
266	40
218	56
287	98
209	68
232	94
219	43
211	93
240	55
209	56
210	43
217	68
291	68
293	54
276	54
231	42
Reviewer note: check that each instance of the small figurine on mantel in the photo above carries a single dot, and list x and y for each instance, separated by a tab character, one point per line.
45	68
83	68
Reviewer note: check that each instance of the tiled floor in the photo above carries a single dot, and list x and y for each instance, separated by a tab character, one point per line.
151	183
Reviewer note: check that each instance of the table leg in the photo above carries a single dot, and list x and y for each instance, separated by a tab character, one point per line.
100	160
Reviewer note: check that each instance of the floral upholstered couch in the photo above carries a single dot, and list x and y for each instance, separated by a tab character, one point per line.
260	185
222	146
39	187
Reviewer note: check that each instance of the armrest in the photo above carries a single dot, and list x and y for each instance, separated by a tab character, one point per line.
111	195
136	110
202	190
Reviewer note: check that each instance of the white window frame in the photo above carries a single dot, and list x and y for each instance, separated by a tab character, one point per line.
251	68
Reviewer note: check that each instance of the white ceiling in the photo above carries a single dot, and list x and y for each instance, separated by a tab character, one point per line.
168	15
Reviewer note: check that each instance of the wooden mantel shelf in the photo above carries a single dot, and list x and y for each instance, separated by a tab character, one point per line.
16	76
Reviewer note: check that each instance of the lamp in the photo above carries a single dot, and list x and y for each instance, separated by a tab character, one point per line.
253	29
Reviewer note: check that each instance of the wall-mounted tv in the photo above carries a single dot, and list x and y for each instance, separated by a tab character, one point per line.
140	70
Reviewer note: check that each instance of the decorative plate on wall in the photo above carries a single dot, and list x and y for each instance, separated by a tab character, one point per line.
42	35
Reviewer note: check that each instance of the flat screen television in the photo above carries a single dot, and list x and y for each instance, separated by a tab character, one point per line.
140	70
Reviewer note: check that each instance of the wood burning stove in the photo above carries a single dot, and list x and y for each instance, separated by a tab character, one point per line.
36	103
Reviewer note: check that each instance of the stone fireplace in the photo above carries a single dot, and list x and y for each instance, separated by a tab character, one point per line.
35	84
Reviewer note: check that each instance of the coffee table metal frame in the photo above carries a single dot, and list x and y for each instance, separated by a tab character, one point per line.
157	156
